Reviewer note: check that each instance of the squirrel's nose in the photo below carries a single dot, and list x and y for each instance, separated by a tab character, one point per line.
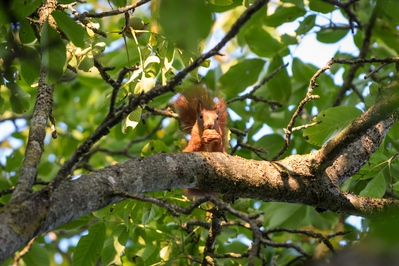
209	126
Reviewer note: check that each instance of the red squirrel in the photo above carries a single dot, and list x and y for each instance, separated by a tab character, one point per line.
205	121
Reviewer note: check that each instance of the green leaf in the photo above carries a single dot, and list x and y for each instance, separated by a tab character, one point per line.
256	38
110	254
306	25
271	143
119	3
71	28
241	75
188	58
77	223
19	98
376	187
302	72
221	2
370	98
53	54
110	209
223	5
279	87
132	120
323	221
154	147
88	249
26	33
298	3
149	214
1	105
147	252
23	8
37	255
191	17
395	186
284	215
320	6
330	35
333	120
390	9
284	14
30	64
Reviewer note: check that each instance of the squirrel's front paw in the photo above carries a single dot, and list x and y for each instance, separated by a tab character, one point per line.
210	136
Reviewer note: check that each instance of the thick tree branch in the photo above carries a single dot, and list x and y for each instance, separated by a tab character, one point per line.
352	158
385	105
288	180
35	145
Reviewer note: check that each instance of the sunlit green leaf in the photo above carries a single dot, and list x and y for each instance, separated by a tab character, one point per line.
284	14
221	2
153	147
119	3
72	30
320	6
333	120
147	252
132	120
149	214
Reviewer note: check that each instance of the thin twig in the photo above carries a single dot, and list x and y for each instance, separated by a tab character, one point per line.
23	252
312	85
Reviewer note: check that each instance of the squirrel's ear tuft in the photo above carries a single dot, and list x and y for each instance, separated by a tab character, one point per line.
199	106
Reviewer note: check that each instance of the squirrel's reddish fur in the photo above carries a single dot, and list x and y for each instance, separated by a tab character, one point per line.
205	121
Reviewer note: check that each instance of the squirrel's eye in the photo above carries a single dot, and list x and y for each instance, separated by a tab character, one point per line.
200	116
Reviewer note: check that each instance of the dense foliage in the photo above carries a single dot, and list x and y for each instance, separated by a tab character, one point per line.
102	55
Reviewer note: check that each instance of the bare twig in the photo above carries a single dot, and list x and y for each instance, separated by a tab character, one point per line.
363	53
319	236
375	70
346	7
312	85
250	95
23	252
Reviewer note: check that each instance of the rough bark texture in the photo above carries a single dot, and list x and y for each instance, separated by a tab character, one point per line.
287	180
310	179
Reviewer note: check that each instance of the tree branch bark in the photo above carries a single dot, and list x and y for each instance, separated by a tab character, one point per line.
287	180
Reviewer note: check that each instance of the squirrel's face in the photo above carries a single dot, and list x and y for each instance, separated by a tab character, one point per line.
208	120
